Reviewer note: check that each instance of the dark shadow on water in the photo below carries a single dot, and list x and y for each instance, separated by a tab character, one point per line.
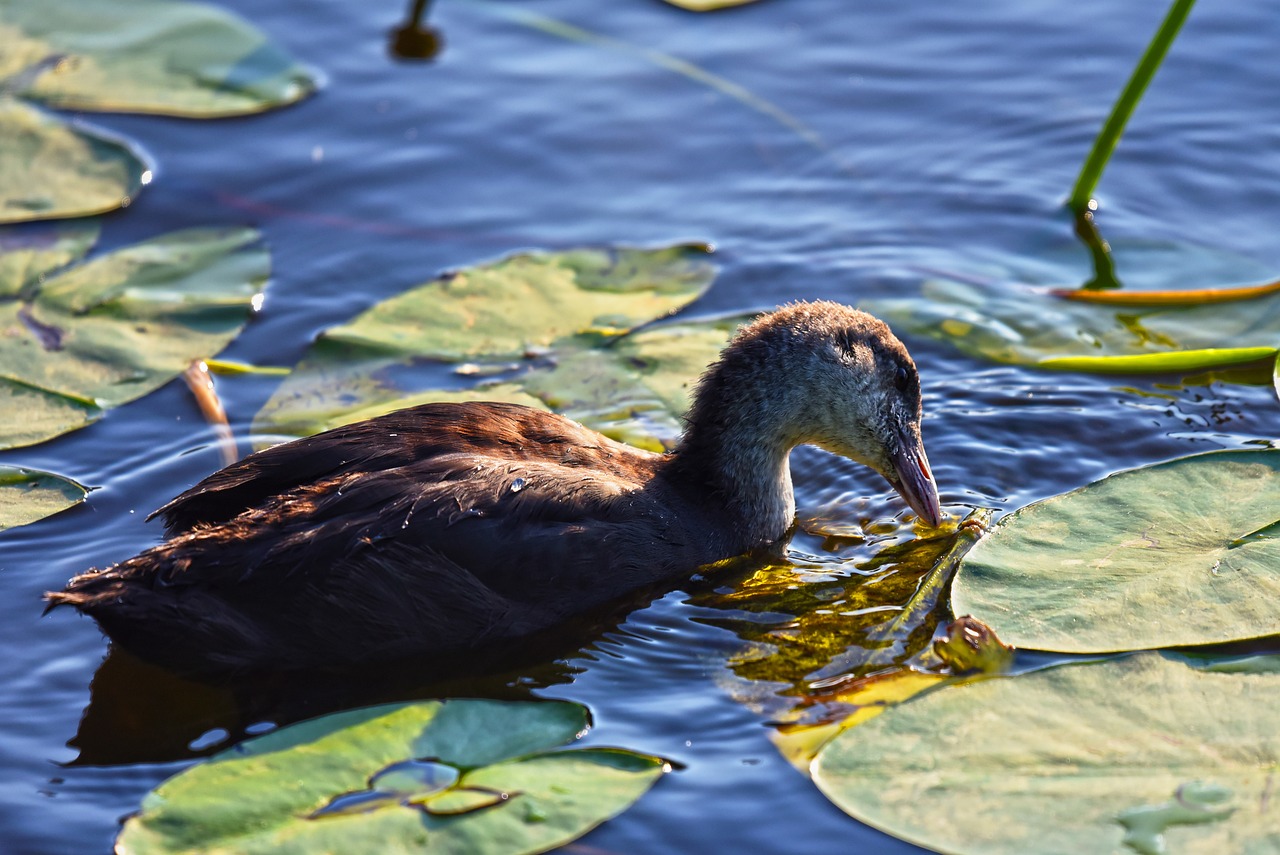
142	713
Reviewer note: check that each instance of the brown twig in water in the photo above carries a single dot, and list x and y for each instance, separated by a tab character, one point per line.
200	382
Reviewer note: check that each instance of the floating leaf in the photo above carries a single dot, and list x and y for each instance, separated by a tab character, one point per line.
27	495
1180	553
562	315
50	169
453	776
1077	758
144	56
636	390
1197	296
532	300
112	329
1016	326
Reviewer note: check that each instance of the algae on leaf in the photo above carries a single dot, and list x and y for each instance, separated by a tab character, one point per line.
144	56
106	331
547	329
432	776
51	169
27	495
1179	553
1075	758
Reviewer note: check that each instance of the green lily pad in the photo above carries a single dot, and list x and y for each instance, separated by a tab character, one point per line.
104	332
637	389
1019	326
1143	754
144	56
50	169
1180	553
452	776
27	495
552	327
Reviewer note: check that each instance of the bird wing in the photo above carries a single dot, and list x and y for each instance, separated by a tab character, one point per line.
384	443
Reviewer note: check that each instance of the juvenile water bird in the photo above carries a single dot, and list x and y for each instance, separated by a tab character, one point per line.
446	527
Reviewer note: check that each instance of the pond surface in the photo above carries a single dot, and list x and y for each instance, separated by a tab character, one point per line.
911	142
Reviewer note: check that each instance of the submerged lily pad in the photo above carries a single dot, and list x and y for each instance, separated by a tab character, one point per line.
452	776
1180	553
104	332
1142	754
51	169
548	325
144	56
27	495
1016	325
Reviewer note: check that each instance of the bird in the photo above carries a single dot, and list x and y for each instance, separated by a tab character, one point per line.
445	527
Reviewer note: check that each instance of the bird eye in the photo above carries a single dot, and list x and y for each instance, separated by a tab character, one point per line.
903	379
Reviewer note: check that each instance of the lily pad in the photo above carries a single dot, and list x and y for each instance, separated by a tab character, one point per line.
1142	754
104	332
548	325
144	56
451	776
51	169
1180	553
1019	326
637	389
27	495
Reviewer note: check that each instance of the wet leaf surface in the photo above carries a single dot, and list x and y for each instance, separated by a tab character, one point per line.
144	56
540	329
27	495
104	332
1138	753
454	776
1178	553
51	169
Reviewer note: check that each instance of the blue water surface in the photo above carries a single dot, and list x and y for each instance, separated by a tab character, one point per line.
882	143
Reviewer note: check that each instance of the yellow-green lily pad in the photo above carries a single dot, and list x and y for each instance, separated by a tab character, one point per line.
27	495
144	56
1179	553
98	334
432	776
552	330
51	169
1144	754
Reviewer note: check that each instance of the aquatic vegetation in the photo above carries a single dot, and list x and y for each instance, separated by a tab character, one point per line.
84	336
27	495
430	776
137	56
561	331
1179	553
1075	758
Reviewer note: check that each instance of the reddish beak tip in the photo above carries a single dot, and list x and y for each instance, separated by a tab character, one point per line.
916	485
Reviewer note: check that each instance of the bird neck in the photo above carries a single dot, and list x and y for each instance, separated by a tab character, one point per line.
737	447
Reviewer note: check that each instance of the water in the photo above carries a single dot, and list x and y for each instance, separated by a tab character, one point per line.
946	138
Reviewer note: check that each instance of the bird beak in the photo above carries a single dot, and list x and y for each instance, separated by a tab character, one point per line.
915	480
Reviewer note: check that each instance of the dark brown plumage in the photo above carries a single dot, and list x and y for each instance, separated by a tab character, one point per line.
445	527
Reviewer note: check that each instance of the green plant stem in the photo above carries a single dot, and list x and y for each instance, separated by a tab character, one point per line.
1082	194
